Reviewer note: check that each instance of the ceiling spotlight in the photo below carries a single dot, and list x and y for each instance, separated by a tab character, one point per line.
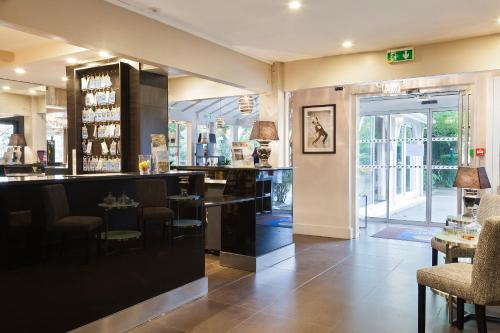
6	88
64	78
294	5
104	54
347	44
19	70
32	91
498	20
71	60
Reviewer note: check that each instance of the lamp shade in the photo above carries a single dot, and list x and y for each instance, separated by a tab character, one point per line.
264	130
474	178
17	140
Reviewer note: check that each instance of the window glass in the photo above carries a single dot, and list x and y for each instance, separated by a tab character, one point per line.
6	130
57	123
224	137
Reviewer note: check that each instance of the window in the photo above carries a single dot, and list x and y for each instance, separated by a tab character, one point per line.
224	140
6	130
57	124
244	135
179	142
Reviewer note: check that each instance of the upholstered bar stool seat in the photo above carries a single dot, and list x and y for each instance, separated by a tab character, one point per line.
60	221
152	197
76	224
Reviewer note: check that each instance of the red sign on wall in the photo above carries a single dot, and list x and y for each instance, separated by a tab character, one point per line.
480	151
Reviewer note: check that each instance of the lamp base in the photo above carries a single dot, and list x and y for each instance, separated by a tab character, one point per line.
264	152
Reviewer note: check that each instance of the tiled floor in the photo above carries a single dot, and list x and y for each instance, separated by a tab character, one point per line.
363	285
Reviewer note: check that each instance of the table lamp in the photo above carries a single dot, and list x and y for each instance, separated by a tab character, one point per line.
264	132
17	141
471	180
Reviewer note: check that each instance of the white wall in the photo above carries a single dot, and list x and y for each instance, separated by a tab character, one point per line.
32	109
461	56
323	187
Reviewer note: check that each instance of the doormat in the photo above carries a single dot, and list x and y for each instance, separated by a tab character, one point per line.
271	220
406	234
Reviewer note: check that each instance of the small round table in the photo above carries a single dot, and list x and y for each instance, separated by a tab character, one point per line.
183	222
118	235
452	240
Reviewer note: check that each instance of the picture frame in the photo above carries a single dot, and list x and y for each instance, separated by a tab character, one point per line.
319	130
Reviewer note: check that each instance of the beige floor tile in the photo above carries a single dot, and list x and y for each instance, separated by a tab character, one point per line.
266	323
205	316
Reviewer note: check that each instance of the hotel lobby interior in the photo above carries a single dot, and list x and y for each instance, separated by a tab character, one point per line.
250	166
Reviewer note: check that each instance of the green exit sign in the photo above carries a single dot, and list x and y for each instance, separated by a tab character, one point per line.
400	55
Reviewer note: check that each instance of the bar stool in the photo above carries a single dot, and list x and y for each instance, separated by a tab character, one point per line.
60	221
152	197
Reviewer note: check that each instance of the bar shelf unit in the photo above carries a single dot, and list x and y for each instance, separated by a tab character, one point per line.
120	86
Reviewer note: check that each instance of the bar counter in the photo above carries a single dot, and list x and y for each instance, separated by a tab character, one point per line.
50	287
253	215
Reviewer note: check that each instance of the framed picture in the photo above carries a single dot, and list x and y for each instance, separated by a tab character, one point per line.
318	129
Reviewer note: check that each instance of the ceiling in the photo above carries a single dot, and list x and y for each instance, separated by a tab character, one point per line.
44	61
269	30
205	110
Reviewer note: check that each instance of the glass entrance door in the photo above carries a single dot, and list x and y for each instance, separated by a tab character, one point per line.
408	160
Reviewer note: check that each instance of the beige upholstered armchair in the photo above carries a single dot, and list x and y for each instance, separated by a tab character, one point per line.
489	206
477	283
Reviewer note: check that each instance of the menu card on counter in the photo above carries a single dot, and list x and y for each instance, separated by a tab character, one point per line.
159	153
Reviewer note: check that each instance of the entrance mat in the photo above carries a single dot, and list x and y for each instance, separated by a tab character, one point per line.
406	234
271	220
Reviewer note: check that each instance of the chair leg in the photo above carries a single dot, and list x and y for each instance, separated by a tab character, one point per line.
460	313
434	257
481	318
421	308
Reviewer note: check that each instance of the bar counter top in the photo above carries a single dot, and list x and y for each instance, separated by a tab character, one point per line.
52	179
228	168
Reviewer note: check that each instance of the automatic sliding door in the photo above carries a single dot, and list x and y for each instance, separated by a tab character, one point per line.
372	171
445	155
407	190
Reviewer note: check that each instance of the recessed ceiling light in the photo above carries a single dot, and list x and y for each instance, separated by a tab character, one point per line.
6	88
498	20
19	70
103	54
347	44
294	5
71	60
32	91
64	79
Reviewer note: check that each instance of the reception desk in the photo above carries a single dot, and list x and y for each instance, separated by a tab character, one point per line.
256	215
52	288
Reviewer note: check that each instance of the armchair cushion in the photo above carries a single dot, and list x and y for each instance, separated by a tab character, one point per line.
76	224
157	213
450	278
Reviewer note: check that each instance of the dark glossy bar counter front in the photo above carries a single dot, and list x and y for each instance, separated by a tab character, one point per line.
51	287
260	223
